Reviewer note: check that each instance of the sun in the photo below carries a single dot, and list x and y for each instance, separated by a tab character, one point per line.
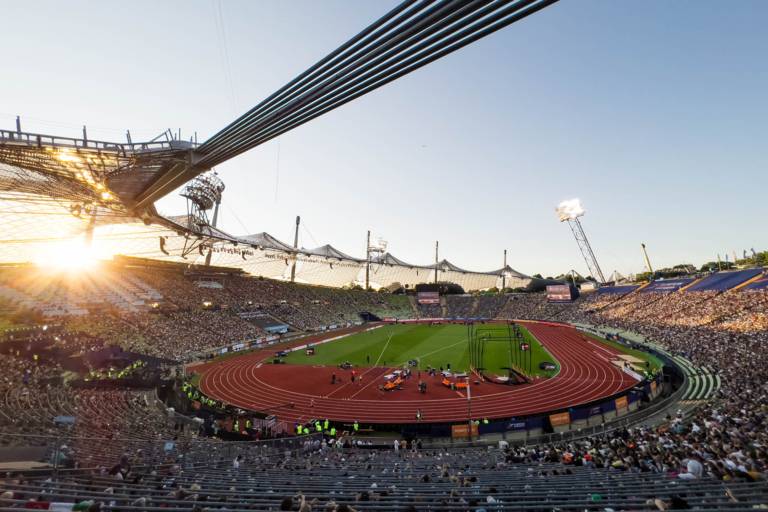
72	255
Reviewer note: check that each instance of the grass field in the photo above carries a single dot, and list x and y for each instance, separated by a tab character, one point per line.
436	346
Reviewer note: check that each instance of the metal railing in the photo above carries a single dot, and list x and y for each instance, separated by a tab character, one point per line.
121	148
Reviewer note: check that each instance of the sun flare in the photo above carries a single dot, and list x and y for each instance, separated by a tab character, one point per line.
70	255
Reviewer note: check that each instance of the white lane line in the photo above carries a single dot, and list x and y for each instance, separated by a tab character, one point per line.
391	335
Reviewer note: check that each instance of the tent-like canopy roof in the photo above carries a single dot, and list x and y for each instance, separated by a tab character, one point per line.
617	277
389	259
185	223
509	271
446	266
328	251
267	241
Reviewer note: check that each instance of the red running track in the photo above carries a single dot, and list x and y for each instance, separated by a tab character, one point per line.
586	375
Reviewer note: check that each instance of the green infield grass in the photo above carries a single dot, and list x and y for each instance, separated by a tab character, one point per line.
431	345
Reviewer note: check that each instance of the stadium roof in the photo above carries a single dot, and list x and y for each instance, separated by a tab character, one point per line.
132	176
188	224
617	277
389	259
87	184
445	265
267	241
509	271
328	251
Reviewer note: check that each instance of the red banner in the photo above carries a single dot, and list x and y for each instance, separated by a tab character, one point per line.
462	430
559	419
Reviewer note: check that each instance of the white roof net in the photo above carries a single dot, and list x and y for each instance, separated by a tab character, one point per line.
46	230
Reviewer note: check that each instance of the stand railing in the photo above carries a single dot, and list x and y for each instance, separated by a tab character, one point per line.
122	149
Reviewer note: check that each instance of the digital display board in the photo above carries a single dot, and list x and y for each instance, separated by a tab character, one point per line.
428	298
559	293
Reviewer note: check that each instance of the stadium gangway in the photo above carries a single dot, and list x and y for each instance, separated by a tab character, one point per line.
703	384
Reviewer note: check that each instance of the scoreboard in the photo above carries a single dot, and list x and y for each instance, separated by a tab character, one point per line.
560	293
428	298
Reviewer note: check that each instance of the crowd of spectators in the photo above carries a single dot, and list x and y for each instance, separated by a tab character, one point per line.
30	399
429	310
39	383
725	332
475	306
170	313
529	306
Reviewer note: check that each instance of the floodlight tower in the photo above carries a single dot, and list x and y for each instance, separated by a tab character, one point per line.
295	249
377	249
569	211
437	262
202	194
647	259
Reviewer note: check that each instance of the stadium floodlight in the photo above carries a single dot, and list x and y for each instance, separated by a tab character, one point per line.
203	194
378	247
569	211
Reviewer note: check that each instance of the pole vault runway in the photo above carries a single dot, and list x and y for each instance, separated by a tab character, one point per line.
586	375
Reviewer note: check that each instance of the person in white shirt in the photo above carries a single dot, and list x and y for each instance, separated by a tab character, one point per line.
694	469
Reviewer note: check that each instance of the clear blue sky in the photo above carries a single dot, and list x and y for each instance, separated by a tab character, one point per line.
653	113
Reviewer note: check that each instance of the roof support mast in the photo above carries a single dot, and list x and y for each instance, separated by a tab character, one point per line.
504	273
296	247
437	244
368	260
213	225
